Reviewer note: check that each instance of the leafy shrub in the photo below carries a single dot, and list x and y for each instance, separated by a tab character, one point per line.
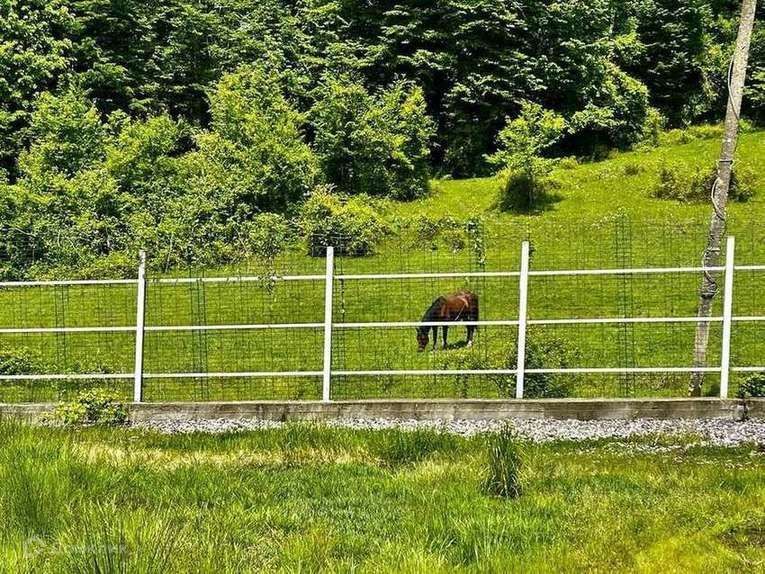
568	163
653	127
503	465
692	184
18	361
350	224
91	407
374	145
633	168
523	170
691	133
753	386
473	359
267	235
615	116
519	192
449	232
551	352
542	351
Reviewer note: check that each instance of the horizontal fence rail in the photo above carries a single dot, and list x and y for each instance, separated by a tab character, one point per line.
329	326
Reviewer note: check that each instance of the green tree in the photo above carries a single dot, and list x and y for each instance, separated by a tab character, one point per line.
375	145
35	56
521	144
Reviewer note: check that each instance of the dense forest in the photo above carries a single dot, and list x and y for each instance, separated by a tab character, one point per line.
183	125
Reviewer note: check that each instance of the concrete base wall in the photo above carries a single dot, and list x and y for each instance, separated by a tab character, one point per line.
581	409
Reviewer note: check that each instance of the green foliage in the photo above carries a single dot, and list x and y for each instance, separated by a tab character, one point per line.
753	386
521	144
676	59
450	233
128	125
543	351
18	361
687	184
35	54
67	135
523	140
127	184
518	192
754	99
373	145
91	407
268	235
476	62
254	159
350	224
691	133
618	117
503	467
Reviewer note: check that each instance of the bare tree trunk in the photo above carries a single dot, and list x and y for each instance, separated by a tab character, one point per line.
711	258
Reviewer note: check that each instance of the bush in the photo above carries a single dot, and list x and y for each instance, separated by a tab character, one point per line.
350	224
267	235
542	351
680	182
91	407
617	115
632	168
653	127
753	386
523	171
519	192
18	361
503	465
449	232
374	145
567	163
691	133
551	352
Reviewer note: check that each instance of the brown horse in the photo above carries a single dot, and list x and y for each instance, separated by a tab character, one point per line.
460	306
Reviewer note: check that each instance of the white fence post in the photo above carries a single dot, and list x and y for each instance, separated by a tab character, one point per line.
139	329
523	292
328	295
730	249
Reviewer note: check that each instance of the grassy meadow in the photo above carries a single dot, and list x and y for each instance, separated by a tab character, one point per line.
601	215
310	499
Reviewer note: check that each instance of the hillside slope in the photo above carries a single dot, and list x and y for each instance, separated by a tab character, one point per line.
591	191
604	218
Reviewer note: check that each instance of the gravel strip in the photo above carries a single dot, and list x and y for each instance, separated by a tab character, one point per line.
721	432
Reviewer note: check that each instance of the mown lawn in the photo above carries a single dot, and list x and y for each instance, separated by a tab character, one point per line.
602	216
308	499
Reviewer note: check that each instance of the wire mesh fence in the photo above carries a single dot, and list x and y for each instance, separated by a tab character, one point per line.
258	331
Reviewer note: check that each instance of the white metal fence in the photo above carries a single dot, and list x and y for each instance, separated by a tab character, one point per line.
330	326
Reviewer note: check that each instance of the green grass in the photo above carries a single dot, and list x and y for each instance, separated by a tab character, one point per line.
592	191
309	499
603	217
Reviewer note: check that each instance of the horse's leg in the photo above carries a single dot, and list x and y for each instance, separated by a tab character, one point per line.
446	331
435	337
470	331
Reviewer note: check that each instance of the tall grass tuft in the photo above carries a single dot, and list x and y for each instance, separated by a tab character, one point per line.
396	448
103	540
504	465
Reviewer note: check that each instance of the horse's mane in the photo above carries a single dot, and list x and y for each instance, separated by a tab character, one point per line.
430	314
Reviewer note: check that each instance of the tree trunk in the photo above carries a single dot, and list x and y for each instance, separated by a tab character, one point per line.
720	189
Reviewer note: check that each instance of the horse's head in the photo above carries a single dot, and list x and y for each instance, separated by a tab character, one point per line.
422	339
